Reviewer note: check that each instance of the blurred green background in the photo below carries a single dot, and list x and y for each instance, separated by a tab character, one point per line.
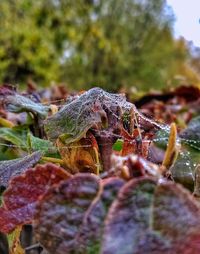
114	44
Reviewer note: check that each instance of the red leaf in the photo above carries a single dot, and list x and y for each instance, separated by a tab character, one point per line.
19	200
61	211
90	233
154	218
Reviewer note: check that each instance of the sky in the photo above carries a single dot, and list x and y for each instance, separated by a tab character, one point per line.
187	24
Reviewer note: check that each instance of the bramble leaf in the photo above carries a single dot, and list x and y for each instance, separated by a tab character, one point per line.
152	218
61	211
19	200
16	167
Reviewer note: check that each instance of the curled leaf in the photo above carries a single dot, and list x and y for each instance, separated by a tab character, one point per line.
61	211
16	167
82	113
19	200
154	218
17	103
82	155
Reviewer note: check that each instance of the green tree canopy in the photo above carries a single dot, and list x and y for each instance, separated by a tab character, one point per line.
107	43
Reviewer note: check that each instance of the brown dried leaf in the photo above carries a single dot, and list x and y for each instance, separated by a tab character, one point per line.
172	150
82	155
132	166
16	247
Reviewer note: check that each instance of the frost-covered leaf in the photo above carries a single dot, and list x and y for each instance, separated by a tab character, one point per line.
152	218
102	114
183	171
17	103
90	234
191	135
84	112
61	211
16	167
19	200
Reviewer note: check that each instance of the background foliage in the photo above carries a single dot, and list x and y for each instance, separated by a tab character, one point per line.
107	43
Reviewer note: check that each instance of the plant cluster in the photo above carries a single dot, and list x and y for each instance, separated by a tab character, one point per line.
94	175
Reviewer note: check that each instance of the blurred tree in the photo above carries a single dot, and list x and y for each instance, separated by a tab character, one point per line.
120	43
107	43
26	49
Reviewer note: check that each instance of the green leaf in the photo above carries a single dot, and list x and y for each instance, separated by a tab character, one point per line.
161	138
191	135
183	170
15	135
118	145
46	147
